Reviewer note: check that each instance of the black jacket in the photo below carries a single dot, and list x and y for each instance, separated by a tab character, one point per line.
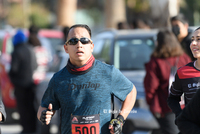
188	121
22	65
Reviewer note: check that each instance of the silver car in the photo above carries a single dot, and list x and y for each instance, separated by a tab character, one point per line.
129	50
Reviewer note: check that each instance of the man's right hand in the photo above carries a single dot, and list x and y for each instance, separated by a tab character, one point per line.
46	115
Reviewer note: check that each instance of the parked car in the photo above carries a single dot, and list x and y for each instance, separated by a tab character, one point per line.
55	37
129	50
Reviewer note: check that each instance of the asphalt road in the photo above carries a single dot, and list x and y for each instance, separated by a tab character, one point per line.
10	129
16	129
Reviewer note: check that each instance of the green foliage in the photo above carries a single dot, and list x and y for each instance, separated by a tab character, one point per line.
40	16
15	16
138	5
191	9
193	4
95	14
23	17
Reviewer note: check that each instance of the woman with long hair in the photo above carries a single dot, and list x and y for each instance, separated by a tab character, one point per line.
167	53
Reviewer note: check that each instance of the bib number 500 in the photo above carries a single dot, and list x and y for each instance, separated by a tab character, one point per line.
89	124
86	130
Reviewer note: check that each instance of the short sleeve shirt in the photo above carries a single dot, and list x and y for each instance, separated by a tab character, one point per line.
86	94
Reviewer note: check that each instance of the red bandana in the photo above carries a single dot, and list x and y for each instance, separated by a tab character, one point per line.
83	69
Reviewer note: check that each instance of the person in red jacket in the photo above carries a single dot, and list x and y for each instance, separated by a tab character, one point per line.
167	53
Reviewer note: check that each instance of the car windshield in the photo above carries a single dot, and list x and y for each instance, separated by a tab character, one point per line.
132	54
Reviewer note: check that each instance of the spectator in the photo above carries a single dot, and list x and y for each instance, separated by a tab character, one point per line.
156	82
21	74
40	72
41	55
187	78
83	89
2	113
140	24
180	29
33	36
122	25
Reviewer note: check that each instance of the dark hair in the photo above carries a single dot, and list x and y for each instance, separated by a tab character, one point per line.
33	29
179	17
33	39
197	29
83	26
167	45
122	25
65	31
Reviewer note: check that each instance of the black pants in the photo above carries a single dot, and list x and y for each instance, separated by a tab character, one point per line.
167	125
25	97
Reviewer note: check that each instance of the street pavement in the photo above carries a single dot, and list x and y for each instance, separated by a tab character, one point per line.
10	128
16	129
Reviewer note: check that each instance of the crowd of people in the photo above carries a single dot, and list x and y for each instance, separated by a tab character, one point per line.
84	88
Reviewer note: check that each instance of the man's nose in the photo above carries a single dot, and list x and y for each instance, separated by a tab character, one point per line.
79	44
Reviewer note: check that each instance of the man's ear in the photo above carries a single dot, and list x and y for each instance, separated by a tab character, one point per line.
92	47
186	25
66	48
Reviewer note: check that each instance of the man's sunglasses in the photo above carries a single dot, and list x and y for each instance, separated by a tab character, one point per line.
74	41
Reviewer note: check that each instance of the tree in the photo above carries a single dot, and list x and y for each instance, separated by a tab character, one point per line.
115	11
160	13
25	13
66	12
191	9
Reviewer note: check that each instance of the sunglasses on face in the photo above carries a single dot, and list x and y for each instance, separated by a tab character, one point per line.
74	41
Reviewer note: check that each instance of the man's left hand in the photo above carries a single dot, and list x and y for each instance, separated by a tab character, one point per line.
116	125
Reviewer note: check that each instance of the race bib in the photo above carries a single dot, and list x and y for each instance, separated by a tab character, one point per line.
85	124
